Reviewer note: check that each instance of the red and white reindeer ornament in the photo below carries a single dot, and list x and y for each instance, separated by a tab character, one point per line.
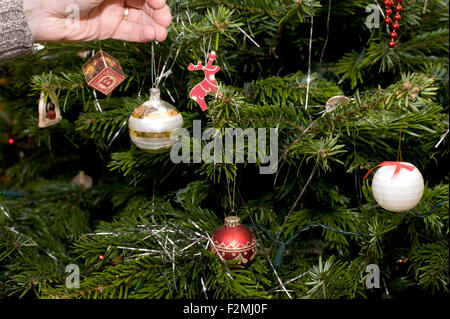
209	83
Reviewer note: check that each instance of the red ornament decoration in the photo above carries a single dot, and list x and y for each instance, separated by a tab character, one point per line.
398	166
234	243
388	11
11	141
388	3
209	83
51	113
117	260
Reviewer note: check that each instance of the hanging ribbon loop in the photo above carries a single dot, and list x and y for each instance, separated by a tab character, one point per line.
398	166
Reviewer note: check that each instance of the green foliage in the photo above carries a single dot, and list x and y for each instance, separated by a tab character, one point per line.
332	278
144	229
431	266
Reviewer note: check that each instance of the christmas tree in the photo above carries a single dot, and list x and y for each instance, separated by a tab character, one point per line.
327	98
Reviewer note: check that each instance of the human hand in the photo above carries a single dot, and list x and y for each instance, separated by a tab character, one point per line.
53	20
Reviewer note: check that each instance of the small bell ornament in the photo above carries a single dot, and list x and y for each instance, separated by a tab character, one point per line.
234	243
83	180
397	186
151	124
49	112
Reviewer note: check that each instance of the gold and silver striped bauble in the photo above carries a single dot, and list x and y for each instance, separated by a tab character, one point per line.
152	124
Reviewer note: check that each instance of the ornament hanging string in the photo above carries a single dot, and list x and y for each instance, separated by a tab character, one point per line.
402	124
156	79
308	79
232	196
328	33
399	150
152	52
397	165
164	73
153	65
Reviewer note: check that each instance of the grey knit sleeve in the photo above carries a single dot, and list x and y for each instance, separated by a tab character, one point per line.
15	36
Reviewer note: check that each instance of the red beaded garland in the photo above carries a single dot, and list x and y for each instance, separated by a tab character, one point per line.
388	20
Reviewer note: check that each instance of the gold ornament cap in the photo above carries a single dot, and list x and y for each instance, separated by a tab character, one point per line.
232	221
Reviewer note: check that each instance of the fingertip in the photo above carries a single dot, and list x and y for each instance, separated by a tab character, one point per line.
163	16
160	34
148	34
156	4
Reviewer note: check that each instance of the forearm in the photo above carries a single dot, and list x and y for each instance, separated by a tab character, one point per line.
15	35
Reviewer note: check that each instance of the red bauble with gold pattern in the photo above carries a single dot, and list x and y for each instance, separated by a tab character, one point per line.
234	243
